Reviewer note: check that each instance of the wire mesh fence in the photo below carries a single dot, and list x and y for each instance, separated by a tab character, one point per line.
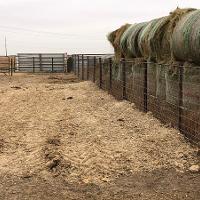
170	92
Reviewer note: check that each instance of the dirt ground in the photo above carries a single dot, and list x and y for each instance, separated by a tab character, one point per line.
65	139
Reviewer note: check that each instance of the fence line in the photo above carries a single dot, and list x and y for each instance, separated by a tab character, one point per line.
28	64
166	91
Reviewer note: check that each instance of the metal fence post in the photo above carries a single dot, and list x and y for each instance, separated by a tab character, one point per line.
33	65
110	74
94	72
124	79
180	100
82	67
145	88
40	61
100	73
14	63
11	63
78	66
74	64
88	67
52	65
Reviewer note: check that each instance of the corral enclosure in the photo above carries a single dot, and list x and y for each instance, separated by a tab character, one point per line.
65	137
45	62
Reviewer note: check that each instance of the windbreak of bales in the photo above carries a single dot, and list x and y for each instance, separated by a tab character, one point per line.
163	43
153	39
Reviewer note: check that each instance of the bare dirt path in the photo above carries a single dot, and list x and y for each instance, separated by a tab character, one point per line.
65	139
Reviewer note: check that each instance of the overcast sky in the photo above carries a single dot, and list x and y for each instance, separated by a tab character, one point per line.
74	26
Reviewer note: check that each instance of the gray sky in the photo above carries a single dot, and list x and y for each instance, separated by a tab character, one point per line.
74	26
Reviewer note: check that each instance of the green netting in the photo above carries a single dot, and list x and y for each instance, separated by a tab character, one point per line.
186	38
129	41
143	38
133	40
158	40
172	85
114	38
191	86
124	41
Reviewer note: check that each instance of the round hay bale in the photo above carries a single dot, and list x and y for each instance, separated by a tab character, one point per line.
155	38
191	86
124	41
186	37
133	40
143	38
114	38
158	42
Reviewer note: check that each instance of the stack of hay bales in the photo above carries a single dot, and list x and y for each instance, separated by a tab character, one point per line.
165	44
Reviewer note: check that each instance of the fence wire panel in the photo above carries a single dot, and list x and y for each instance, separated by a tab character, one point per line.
170	92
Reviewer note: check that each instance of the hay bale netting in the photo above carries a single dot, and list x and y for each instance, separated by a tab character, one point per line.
151	77
186	38
144	37
133	45
129	41
158	40
115	37
172	84
161	81
124	41
155	38
191	86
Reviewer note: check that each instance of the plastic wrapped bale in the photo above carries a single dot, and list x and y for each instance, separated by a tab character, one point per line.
191	87
161	81
115	37
172	84
186	37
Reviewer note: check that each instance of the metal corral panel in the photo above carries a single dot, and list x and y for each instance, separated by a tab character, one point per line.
47	62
